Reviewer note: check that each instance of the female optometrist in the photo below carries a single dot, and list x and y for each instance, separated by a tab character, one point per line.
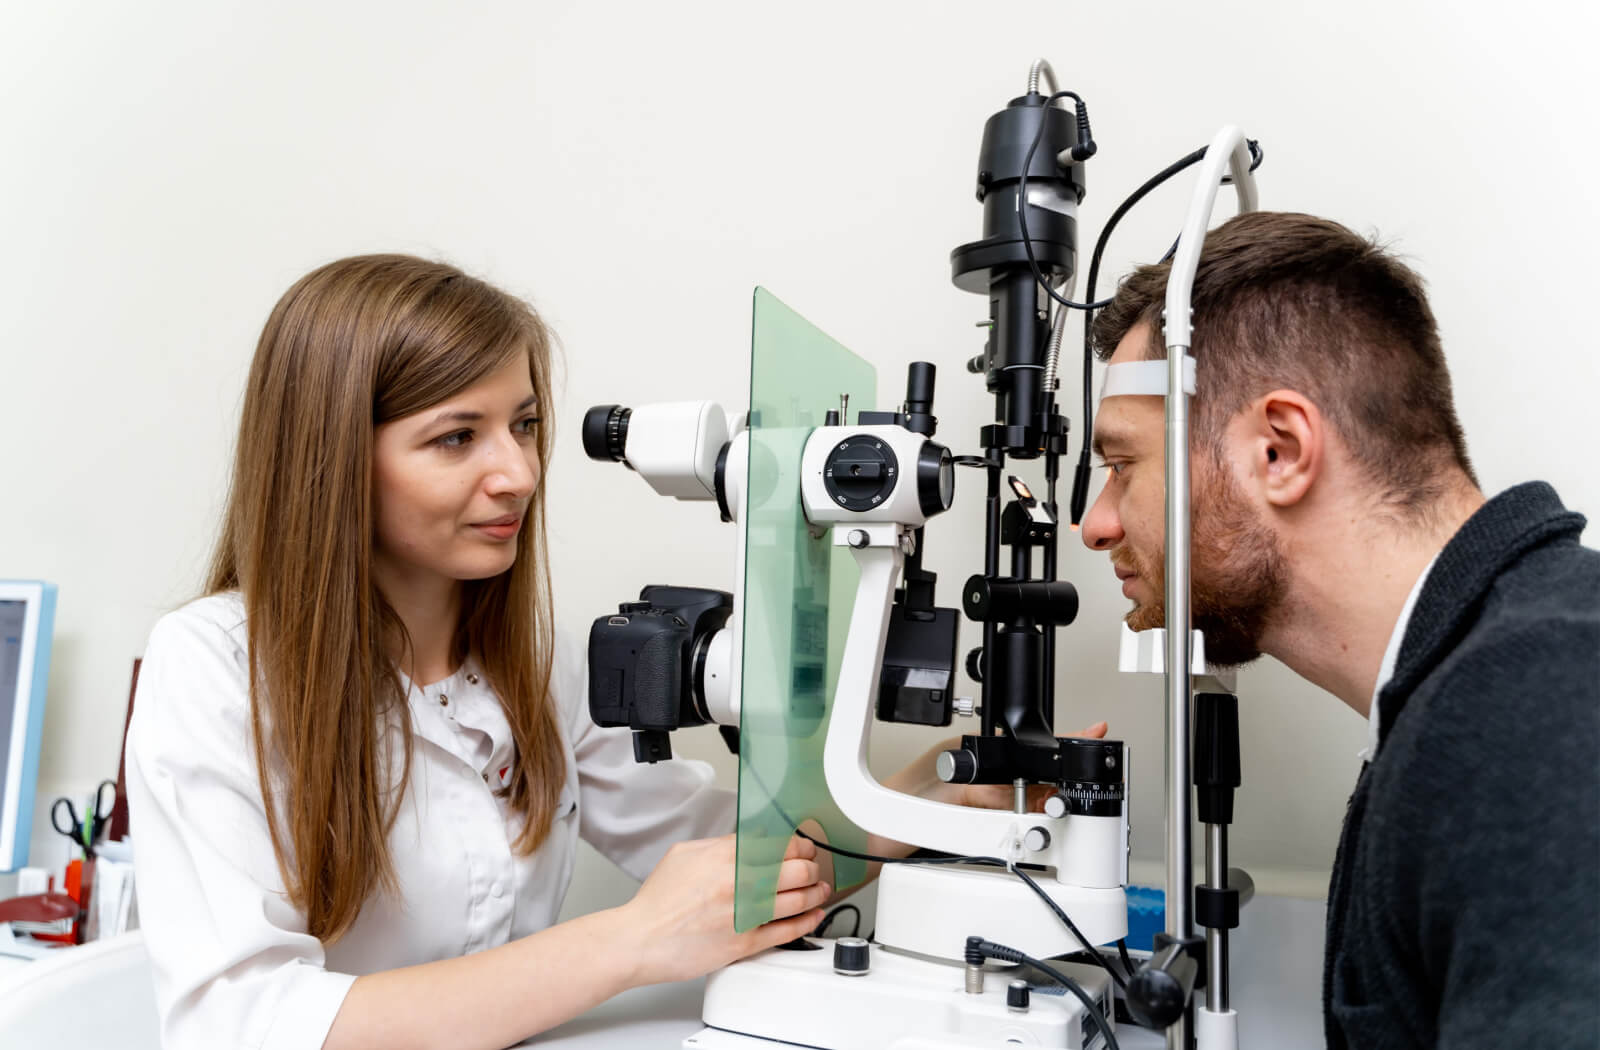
358	766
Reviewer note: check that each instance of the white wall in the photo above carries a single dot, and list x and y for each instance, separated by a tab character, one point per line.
634	169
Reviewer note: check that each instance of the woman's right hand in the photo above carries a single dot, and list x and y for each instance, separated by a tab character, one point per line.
682	917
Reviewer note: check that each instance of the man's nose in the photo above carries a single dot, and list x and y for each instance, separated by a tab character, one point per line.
1102	529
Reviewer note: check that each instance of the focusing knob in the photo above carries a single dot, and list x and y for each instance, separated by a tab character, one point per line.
956	767
1036	840
1055	807
851	956
936	479
1017	996
860	472
975	663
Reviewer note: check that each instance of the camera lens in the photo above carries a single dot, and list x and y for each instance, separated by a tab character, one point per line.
605	432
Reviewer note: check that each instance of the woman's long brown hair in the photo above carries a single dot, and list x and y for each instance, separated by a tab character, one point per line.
356	343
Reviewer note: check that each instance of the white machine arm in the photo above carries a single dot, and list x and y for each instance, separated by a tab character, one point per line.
1085	851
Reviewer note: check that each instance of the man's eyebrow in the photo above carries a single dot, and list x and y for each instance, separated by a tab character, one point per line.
1112	436
464	416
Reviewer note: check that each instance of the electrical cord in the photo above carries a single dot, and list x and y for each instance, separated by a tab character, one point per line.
1122	952
1068	923
1016	870
979	948
1081	152
1080	478
855	931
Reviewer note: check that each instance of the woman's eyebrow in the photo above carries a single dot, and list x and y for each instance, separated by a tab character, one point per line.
466	416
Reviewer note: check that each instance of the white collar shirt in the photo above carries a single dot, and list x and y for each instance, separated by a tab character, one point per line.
232	961
1391	655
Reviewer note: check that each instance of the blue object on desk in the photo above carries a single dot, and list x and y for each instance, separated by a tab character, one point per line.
1147	916
27	623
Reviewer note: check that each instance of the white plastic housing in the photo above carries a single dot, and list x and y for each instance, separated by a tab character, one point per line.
903	505
1216	1031
931	910
794	998
721	676
674	446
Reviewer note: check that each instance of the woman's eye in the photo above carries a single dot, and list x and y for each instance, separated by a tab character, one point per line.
1115	468
527	424
455	439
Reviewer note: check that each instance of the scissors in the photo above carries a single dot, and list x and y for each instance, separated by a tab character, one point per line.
85	833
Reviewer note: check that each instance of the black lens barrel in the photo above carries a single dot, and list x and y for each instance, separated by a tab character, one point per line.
605	432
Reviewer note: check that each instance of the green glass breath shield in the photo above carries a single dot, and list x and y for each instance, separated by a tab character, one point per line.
798	592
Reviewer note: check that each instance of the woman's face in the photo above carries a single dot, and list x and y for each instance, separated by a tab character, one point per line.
452	483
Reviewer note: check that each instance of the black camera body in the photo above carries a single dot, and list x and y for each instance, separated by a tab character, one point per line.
647	664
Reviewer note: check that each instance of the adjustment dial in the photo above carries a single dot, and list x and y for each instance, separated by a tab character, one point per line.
860	472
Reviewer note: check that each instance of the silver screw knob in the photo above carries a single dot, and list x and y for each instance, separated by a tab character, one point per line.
1036	840
1055	807
964	706
858	538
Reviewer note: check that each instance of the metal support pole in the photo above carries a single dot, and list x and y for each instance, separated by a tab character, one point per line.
1217	939
1180	878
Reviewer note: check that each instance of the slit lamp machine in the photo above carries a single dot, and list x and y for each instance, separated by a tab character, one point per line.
969	944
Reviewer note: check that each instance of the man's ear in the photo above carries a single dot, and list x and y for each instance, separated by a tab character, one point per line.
1287	443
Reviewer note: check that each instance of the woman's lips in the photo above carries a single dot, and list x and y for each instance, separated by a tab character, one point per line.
500	528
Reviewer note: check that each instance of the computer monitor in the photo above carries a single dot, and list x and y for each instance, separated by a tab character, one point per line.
27	620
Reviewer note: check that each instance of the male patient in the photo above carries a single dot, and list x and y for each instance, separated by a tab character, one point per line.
1338	526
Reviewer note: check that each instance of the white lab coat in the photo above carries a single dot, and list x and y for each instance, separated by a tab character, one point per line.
234	966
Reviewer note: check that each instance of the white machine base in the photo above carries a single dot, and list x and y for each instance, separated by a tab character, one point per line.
930	910
903	1003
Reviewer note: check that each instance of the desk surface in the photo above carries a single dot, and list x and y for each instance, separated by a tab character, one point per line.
1277	986
1277	989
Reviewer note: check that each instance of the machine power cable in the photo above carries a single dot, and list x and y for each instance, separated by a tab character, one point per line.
1080	480
978	948
1072	928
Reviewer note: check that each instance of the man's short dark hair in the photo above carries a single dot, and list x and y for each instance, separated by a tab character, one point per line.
1289	301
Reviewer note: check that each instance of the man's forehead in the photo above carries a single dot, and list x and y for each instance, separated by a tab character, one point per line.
1133	346
1121	422
1128	419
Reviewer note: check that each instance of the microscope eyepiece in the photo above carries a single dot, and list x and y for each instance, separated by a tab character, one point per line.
605	433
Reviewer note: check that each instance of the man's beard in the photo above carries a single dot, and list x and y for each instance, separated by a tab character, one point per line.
1236	573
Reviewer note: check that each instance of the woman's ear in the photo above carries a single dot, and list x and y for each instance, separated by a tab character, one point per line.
1288	439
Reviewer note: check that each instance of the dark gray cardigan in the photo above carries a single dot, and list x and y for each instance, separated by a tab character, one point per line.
1464	909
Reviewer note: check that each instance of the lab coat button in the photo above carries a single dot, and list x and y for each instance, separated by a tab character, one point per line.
497	891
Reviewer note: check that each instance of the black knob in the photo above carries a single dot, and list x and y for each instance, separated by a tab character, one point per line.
1045	602
1159	992
1017	996
975	664
851	956
605	432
